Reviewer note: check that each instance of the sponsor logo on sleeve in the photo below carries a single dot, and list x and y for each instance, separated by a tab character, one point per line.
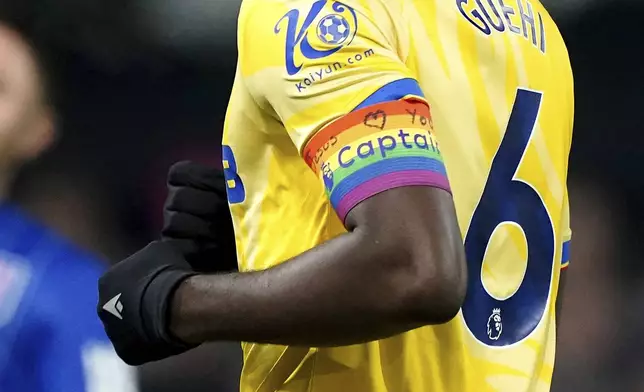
327	28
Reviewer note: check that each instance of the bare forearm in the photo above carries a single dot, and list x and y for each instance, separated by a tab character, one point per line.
336	294
394	271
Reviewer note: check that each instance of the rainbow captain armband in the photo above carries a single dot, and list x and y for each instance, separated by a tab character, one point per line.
371	150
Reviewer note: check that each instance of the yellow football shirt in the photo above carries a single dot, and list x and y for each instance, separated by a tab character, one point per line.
497	78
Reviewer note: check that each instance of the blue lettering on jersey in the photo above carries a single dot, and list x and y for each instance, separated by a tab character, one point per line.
333	31
321	73
234	185
498	17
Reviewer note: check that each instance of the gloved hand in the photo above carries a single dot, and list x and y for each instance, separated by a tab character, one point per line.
134	300
197	219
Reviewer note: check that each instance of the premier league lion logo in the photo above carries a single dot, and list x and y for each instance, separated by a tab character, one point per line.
495	325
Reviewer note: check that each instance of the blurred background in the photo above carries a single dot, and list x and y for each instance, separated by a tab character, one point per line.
142	84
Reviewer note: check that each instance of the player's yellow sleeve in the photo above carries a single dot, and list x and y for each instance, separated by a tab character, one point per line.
313	62
331	73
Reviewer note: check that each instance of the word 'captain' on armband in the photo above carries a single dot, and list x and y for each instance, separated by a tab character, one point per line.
377	148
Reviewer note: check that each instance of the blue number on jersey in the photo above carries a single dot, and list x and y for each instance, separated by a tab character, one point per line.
509	200
234	184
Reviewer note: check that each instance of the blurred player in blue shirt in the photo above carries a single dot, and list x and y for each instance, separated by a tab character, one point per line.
50	337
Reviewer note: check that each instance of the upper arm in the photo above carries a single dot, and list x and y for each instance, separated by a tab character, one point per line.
358	118
350	105
306	83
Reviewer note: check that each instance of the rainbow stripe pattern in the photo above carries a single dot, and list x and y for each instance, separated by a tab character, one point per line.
373	149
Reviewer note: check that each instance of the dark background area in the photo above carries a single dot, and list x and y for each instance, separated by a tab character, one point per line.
141	85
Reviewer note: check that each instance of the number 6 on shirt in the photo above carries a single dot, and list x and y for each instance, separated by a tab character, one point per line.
506	199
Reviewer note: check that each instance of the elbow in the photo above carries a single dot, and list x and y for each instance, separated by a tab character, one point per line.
435	290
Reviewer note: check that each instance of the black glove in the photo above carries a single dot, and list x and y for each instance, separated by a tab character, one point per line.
197	218
134	300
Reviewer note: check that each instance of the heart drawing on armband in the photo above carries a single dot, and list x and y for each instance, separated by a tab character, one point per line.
376	119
